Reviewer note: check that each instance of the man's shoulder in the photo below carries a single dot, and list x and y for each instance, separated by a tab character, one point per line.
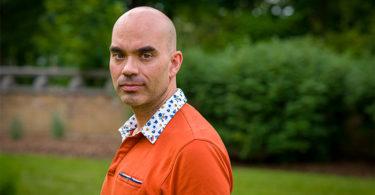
190	125
195	120
196	144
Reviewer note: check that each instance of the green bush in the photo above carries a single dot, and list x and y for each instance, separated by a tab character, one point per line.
280	100
58	129
16	129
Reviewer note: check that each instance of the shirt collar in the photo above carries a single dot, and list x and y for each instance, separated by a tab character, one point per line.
155	126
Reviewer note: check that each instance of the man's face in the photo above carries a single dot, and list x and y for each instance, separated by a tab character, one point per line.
139	63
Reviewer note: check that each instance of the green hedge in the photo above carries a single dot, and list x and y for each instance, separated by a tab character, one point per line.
284	100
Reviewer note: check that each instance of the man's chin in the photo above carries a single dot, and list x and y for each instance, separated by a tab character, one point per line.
131	100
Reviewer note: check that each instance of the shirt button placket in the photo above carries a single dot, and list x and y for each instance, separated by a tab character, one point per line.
125	147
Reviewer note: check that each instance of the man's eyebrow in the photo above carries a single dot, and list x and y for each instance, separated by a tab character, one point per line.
114	49
146	49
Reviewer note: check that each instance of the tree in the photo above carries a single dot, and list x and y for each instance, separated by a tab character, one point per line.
19	22
77	34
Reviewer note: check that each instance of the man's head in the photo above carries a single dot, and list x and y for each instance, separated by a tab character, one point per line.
144	61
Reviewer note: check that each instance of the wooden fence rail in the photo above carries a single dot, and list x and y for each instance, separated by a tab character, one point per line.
40	77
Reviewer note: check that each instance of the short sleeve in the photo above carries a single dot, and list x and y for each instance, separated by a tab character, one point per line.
200	168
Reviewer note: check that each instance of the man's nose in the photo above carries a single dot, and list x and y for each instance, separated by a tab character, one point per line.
130	67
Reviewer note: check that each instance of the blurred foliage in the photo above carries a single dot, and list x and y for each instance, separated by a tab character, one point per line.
18	25
16	129
346	26
57	127
285	100
77	34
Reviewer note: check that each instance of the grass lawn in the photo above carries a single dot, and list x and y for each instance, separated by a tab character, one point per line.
39	175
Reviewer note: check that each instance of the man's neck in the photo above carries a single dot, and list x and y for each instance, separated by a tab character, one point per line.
144	113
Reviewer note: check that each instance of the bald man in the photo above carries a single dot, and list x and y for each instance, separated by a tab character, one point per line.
167	146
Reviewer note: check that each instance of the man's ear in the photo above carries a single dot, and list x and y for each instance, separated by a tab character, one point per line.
176	61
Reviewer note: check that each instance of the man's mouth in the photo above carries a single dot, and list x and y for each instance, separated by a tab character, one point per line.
131	87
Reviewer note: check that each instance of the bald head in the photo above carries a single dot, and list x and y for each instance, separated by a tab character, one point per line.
151	21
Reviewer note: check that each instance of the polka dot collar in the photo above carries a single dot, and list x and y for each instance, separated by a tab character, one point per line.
155	126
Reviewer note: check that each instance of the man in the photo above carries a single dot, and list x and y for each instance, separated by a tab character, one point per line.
168	147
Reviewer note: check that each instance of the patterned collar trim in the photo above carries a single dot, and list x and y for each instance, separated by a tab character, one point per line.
155	126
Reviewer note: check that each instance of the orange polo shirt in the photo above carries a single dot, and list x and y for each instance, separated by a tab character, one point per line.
187	158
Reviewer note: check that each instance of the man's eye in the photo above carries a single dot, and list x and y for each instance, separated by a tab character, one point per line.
146	56
118	56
